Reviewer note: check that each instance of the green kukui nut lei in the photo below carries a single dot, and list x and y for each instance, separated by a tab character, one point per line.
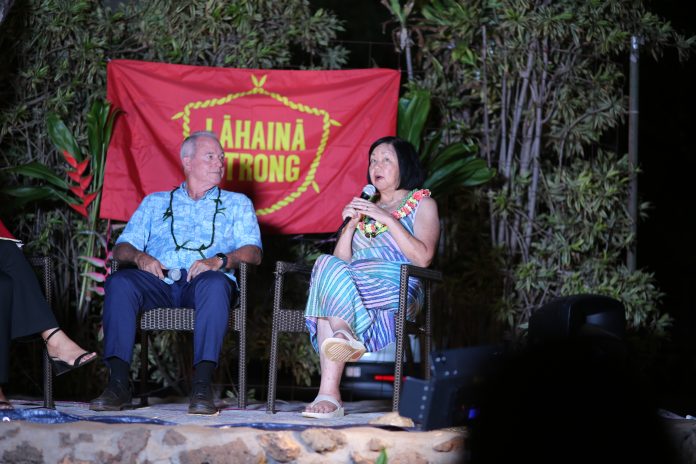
169	213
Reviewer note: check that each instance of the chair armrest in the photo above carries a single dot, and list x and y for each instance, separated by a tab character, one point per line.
284	267
424	273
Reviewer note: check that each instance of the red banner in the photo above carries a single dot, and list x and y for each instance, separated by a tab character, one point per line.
295	142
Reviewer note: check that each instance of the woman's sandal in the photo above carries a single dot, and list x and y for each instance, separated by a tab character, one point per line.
60	367
338	412
339	349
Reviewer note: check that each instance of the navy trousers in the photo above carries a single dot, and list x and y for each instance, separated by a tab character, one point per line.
130	291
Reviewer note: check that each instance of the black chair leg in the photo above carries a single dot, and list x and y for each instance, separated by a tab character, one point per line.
272	373
48	382
143	368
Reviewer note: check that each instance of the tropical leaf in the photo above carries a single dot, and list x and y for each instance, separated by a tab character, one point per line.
40	171
24	195
448	167
413	114
61	136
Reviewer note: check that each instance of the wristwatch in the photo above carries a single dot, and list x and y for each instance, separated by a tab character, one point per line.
223	259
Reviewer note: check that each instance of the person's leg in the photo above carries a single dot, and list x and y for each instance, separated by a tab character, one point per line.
5	319
30	312
127	293
27	308
209	294
62	348
331	371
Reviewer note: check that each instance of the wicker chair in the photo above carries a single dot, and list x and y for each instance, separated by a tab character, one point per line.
182	320
291	319
45	267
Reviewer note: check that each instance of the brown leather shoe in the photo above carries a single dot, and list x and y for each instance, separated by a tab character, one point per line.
202	400
116	397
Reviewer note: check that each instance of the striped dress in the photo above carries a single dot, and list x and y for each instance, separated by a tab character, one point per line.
364	292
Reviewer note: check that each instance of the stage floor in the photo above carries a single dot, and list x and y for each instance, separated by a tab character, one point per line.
164	432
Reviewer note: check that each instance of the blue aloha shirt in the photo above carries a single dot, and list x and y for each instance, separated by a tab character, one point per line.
149	231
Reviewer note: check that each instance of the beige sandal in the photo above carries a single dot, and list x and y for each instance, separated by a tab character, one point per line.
338	349
338	412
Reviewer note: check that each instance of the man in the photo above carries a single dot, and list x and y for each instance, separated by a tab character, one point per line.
198	231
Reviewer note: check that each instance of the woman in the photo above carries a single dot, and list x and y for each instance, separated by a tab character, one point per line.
24	311
354	293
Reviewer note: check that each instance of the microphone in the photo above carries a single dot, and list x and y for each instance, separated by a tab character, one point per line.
366	193
171	275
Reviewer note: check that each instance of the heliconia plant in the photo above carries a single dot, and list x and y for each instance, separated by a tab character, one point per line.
82	189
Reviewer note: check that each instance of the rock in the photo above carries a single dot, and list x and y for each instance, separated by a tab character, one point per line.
173	438
280	446
393	418
235	451
375	444
132	443
24	453
446	446
407	458
363	459
323	440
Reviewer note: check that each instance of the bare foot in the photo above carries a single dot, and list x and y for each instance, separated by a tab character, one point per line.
60	346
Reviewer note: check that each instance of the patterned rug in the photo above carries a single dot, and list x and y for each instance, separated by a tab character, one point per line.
173	411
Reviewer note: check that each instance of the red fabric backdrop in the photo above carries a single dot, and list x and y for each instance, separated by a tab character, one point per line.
295	141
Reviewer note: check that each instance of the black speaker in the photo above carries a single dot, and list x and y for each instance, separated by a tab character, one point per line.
578	315
450	397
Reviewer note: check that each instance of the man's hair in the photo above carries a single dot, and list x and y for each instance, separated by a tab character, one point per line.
188	147
411	172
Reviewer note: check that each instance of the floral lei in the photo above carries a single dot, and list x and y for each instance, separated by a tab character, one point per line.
371	228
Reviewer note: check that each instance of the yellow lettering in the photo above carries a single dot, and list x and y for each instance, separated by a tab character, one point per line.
292	168
245	164
226	133
209	124
230	158
282	136
260	168
258	142
298	139
242	133
275	171
269	135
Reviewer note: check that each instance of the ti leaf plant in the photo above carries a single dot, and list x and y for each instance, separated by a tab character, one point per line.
449	167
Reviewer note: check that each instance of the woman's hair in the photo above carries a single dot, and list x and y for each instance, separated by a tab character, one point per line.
411	172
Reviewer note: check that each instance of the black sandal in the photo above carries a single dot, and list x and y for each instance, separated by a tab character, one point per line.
60	367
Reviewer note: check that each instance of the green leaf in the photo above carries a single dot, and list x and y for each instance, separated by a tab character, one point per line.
24	195
61	137
412	116
40	171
